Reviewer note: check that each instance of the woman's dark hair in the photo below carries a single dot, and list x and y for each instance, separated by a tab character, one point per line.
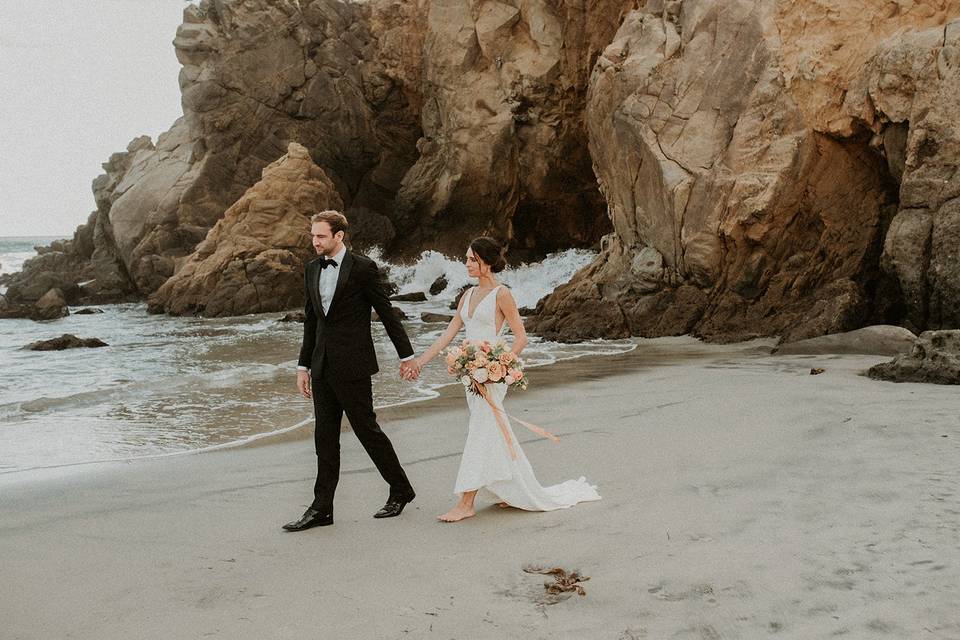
490	251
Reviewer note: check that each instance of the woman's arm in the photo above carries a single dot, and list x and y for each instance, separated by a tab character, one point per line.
508	307
445	338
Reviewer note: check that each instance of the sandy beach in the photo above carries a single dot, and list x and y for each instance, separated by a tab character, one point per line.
742	498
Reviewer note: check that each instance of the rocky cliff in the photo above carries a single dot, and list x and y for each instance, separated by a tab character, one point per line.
435	121
755	167
773	167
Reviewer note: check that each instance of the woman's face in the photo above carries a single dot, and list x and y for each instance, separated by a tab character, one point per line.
474	264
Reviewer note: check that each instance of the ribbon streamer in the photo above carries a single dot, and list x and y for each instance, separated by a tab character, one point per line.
499	414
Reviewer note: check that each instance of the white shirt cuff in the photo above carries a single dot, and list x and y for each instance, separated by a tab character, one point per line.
302	368
407	358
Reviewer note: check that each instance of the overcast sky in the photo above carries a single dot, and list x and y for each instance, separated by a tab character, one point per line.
78	81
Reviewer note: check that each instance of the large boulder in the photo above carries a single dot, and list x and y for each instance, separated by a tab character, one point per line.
935	358
753	155
252	261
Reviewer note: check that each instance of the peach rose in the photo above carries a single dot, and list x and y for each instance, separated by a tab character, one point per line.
517	374
495	371
507	359
452	356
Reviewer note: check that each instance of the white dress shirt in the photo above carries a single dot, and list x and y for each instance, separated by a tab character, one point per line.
328	279
328	286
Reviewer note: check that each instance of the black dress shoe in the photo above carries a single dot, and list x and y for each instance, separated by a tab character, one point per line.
310	518
395	505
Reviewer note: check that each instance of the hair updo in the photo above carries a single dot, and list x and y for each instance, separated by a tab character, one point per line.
490	251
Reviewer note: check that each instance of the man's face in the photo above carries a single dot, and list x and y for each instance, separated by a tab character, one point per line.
325	242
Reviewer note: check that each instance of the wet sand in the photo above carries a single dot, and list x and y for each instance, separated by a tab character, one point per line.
743	498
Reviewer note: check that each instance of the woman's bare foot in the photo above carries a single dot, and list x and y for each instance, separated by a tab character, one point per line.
458	513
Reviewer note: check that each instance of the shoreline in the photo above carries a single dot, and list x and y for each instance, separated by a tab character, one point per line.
661	351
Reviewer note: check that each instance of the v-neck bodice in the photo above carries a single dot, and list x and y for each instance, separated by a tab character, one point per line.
482	325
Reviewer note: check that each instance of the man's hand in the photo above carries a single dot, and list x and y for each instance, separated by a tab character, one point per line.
303	384
410	369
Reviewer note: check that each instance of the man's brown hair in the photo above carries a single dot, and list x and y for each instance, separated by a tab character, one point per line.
336	220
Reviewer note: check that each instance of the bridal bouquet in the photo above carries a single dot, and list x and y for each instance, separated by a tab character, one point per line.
478	362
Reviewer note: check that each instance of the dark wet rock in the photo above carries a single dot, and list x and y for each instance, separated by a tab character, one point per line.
51	306
883	340
527	311
86	311
293	316
934	358
426	316
456	299
389	287
438	285
66	341
418	296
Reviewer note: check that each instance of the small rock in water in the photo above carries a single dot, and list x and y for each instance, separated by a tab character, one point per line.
456	299
86	311
816	371
527	311
438	285
293	316
418	296
426	316
66	341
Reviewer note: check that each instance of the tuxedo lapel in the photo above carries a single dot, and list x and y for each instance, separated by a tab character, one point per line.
313	278
342	277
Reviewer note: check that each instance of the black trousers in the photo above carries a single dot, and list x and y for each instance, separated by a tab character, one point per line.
331	399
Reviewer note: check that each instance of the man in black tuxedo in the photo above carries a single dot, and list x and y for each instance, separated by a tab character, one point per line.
337	360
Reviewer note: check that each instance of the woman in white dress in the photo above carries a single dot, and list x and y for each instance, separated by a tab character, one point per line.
487	463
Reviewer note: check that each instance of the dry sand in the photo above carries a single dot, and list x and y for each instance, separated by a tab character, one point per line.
742	498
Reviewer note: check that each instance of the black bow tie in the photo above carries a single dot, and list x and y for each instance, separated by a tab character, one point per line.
327	262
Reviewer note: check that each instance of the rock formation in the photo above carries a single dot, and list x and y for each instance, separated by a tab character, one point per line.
765	167
759	158
428	136
935	358
256	76
504	149
252	261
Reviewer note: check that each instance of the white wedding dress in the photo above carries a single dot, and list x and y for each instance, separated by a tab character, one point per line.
486	462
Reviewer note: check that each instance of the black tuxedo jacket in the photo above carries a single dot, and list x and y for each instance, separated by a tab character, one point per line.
340	340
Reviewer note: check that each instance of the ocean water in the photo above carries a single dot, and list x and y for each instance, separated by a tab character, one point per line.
168	385
14	251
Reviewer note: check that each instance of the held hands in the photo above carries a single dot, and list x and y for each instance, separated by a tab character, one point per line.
303	384
410	369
